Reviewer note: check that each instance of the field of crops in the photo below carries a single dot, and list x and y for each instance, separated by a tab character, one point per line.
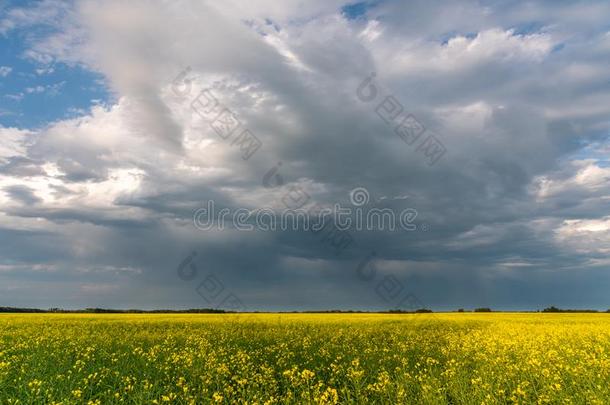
324	359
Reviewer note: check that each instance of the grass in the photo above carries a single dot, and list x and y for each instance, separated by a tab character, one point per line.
305	358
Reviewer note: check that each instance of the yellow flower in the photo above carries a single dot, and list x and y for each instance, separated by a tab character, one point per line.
307	375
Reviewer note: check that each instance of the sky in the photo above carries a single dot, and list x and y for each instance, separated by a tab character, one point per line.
487	120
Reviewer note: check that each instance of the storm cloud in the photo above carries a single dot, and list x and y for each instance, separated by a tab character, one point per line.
97	209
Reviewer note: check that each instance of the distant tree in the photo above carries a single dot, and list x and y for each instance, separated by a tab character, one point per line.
423	311
485	309
555	309
22	310
461	310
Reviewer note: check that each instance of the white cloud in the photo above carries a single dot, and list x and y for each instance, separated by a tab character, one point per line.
49	89
585	176
586	236
494	45
5	71
45	70
36	89
15	97
14	142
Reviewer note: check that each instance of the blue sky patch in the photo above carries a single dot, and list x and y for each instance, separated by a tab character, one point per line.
33	94
357	10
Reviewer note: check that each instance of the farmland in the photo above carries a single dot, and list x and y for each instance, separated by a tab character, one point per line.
469	358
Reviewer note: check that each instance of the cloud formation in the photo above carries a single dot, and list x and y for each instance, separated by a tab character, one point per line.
97	209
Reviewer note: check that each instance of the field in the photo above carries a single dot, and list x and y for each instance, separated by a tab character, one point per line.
304	358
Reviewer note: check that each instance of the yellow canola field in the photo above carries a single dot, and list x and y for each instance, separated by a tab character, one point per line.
469	358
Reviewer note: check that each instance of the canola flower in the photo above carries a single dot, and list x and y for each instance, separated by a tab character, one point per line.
305	358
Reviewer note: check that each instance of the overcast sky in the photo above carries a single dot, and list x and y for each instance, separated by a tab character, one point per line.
490	119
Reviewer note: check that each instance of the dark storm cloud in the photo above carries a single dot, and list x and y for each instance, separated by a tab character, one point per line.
22	167
22	194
